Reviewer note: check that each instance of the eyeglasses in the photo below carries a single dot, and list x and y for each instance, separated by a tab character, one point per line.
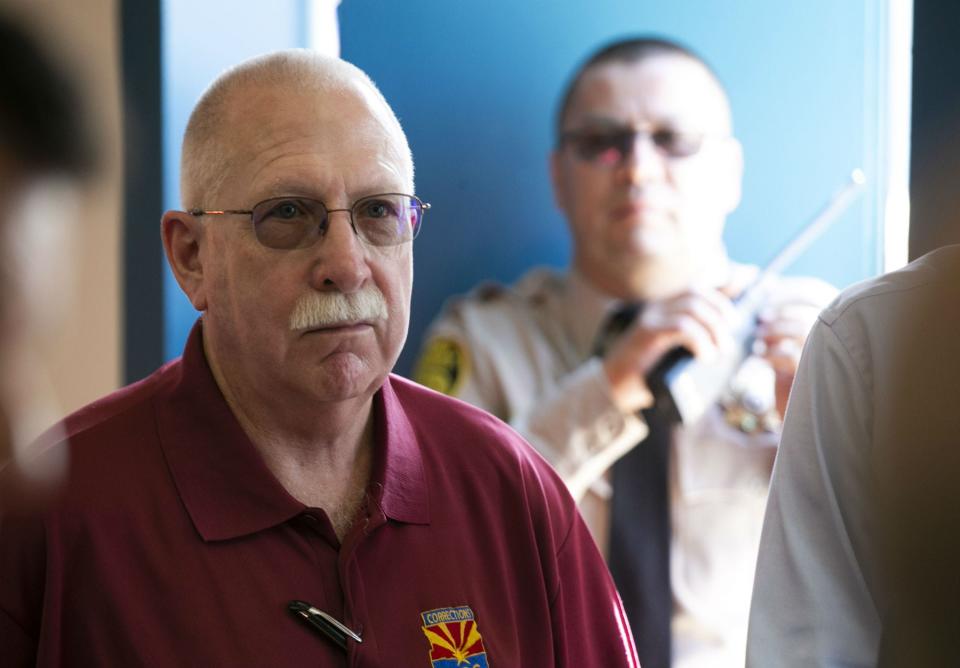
287	223
611	147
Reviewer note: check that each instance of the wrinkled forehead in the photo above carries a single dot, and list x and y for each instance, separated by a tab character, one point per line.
265	122
663	89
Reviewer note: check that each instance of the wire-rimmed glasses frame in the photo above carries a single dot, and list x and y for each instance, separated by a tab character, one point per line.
291	222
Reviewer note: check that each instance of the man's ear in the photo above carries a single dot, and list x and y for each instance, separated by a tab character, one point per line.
182	235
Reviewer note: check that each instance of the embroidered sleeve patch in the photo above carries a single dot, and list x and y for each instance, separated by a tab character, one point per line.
443	366
454	638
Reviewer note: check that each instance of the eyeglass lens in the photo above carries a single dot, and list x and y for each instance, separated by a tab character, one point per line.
612	147
297	222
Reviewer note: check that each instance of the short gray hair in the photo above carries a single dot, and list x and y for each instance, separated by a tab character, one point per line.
629	50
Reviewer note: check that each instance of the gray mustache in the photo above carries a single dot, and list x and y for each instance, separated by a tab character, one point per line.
326	309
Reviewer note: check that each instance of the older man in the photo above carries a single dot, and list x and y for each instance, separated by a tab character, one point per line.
646	170
275	497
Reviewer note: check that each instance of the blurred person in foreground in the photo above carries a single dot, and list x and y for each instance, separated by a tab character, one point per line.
46	154
275	496
645	169
858	559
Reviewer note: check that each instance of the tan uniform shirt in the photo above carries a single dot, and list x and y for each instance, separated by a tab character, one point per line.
524	354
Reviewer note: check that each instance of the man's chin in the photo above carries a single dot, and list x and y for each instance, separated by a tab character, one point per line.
652	239
653	276
345	376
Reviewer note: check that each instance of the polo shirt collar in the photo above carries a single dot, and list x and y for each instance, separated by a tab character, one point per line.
400	468
224	484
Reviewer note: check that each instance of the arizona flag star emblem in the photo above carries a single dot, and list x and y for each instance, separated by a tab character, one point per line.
454	638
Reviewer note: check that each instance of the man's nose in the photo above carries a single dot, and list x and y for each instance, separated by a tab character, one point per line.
644	161
341	258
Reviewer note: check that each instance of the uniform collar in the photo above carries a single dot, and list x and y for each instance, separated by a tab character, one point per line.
587	308
226	487
585	312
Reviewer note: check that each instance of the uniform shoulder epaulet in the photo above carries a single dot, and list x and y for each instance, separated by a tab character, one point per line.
532	286
538	285
489	291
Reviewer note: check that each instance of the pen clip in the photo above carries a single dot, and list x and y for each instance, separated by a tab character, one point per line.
331	627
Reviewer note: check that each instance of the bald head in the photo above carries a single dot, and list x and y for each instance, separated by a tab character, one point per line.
209	143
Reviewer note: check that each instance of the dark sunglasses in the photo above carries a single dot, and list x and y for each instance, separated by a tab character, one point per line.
610	147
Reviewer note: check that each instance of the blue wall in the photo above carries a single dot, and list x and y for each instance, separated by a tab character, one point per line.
475	83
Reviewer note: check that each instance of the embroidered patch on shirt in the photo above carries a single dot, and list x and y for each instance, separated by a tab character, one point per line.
454	638
443	366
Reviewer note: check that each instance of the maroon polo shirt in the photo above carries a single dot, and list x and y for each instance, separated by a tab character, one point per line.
172	544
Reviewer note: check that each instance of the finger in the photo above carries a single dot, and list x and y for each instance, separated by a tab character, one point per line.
696	320
783	355
645	347
716	300
691	333
712	311
731	290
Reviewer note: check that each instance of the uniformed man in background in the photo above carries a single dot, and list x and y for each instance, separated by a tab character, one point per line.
645	169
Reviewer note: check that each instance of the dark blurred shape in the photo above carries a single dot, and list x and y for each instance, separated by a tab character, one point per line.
917	462
45	137
935	120
144	268
43	125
